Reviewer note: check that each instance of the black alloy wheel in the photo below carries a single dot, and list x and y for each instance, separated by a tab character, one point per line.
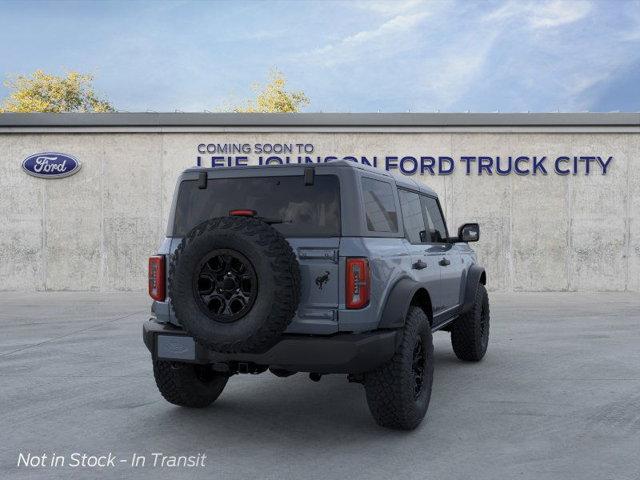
225	285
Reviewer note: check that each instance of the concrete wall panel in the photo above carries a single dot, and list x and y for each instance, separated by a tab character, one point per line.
540	218
599	209
95	230
633	211
485	199
22	263
73	217
133	221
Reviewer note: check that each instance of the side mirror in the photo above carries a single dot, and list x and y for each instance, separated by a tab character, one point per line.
469	232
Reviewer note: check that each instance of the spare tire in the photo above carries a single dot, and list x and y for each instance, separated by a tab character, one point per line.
234	284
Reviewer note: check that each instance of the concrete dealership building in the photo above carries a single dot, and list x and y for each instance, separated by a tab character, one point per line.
557	195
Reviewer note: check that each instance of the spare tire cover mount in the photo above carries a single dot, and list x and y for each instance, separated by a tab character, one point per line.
234	284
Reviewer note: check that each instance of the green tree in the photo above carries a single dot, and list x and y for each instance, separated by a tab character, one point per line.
42	92
273	97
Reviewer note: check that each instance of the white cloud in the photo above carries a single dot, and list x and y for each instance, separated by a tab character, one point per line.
507	11
455	70
564	69
577	83
519	56
398	24
540	15
391	37
632	13
393	7
556	13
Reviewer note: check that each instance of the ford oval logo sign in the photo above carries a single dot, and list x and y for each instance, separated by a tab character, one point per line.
51	165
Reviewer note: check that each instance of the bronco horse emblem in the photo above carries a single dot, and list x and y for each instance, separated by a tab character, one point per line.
322	279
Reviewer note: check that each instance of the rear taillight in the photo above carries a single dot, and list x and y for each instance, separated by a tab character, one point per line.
357	282
156	278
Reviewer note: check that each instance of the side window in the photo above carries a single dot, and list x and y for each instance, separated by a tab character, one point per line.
437	228
379	206
412	216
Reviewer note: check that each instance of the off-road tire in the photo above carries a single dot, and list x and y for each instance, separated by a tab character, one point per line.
188	385
470	332
278	284
390	389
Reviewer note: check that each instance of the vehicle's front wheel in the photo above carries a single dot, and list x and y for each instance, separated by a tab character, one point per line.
398	392
188	385
470	332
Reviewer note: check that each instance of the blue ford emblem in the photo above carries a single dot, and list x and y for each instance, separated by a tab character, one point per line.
51	165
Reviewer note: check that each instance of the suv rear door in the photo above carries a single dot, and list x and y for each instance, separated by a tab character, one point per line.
425	268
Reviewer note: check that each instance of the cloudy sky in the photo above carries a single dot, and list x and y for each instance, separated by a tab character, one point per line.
353	56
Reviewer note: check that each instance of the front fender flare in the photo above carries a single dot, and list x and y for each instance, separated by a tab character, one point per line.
398	302
475	276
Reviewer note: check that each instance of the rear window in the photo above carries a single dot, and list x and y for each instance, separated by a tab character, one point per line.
305	210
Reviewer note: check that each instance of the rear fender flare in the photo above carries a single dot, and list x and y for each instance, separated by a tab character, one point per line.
398	303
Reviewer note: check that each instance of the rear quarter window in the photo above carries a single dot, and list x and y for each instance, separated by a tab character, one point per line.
379	206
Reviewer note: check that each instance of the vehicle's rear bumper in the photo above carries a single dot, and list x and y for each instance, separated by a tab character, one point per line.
339	353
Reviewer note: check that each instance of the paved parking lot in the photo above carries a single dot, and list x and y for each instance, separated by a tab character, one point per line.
558	396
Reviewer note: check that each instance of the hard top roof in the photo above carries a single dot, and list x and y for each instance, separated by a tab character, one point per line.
400	180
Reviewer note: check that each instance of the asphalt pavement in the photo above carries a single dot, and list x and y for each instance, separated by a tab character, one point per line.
556	397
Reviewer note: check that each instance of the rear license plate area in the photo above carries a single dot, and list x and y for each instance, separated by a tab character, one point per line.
175	347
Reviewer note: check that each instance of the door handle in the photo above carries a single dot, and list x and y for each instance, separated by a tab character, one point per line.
444	262
419	265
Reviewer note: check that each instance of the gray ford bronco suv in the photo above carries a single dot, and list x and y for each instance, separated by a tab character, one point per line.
331	268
